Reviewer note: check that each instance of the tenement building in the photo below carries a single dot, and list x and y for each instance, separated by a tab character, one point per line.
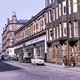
8	34
53	33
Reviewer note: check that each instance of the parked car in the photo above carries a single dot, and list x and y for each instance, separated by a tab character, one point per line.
37	60
5	57
13	57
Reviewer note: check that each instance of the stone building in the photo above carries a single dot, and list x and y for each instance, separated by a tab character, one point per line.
8	34
54	30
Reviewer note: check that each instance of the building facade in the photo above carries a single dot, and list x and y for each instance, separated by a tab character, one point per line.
63	16
8	34
59	21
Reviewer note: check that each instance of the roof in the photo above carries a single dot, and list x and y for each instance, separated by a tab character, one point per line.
22	21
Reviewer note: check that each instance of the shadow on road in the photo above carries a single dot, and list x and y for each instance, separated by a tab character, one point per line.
7	67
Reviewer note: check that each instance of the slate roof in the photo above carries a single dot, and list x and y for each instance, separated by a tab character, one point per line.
22	21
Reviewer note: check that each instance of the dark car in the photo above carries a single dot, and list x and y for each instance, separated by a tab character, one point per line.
13	57
5	57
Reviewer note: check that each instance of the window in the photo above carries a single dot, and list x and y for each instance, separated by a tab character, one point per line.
75	29
74	5
64	7
50	16
69	6
43	23
54	33
10	34
60	30
64	29
59	9
39	25
57	33
53	14
70	33
46	17
10	27
63	50
49	1
50	34
47	35
56	12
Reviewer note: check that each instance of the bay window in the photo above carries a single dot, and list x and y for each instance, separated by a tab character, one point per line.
69	6
75	29
50	34
57	33
54	33
53	14
47	35
74	5
56	12
64	7
46	17
59	9
60	30
64	29
50	16
70	33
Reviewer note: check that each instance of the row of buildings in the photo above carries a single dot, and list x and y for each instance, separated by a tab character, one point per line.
53	33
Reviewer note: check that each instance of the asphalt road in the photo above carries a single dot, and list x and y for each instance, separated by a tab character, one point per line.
13	70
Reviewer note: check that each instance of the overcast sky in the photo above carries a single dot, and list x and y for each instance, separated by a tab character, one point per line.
24	9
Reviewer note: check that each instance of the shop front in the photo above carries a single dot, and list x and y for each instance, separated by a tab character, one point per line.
37	46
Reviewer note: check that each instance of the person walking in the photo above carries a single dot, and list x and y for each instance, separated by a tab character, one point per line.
65	61
72	61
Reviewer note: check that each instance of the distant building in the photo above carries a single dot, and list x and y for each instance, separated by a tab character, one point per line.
8	34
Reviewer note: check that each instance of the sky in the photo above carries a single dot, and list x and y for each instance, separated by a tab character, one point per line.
24	9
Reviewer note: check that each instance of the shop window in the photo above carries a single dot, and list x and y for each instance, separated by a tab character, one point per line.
75	29
70	33
69	6
74	5
60	30
53	14
64	29
64	7
56	12
59	9
10	51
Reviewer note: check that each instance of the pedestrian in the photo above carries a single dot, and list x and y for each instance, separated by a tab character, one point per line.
65	61
72	60
69	64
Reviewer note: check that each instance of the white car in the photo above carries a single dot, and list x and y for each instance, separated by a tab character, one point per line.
37	60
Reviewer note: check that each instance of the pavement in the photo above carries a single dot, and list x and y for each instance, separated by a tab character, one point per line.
77	69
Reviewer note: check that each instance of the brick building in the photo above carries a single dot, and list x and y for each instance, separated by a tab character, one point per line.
53	33
8	34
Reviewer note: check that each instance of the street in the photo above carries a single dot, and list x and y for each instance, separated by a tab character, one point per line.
13	70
